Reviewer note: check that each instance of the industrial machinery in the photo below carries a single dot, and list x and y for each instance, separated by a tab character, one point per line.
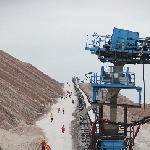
120	48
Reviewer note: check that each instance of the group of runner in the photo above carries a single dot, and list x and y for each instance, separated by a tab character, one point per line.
68	94
62	110
43	143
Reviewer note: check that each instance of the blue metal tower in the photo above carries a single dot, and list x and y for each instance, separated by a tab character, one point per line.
120	48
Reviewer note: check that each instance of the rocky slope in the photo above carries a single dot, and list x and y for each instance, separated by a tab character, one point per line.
25	92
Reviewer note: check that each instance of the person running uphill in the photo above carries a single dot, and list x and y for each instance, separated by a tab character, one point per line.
72	101
63	129
48	147
63	110
51	116
58	109
43	144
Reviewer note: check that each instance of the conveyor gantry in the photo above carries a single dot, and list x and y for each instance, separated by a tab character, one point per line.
120	48
123	46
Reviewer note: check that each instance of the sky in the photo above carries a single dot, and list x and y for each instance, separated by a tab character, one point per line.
51	35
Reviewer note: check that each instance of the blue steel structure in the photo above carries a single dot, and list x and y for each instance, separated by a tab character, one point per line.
112	79
120	48
123	46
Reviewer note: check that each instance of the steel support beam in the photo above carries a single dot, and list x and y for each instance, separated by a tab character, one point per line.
113	100
100	116
125	121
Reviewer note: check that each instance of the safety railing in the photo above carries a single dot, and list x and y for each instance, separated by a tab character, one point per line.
126	78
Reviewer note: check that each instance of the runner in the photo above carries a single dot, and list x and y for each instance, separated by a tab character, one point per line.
58	109
72	101
63	110
52	117
43	144
48	147
63	129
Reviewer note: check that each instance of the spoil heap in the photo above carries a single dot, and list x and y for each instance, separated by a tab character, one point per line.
25	92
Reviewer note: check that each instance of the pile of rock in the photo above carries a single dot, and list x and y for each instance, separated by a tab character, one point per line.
25	92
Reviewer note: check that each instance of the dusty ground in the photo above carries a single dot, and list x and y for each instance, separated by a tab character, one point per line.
23	136
27	137
142	141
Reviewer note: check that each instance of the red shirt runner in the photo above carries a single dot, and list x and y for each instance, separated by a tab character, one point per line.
43	144
63	129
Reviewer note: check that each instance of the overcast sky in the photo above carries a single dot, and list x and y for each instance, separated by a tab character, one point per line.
51	35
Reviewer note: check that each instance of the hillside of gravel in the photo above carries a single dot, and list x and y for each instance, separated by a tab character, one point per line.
25	92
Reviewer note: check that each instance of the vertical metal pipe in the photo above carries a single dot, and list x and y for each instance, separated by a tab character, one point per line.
94	94
144	86
96	77
125	121
95	109
100	117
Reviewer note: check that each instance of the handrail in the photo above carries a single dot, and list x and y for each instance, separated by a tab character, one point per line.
127	78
